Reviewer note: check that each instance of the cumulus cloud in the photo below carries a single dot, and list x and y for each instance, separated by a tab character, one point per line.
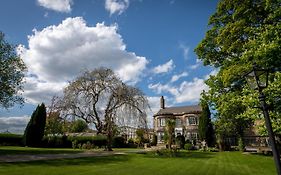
37	91
161	88
14	124
58	53
164	68
190	91
187	91
116	6
177	77
56	5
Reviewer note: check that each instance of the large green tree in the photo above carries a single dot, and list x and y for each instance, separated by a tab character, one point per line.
241	33
12	71
35	128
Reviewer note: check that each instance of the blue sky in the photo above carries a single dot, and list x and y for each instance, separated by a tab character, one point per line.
148	43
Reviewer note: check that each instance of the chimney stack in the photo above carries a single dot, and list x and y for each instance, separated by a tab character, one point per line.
162	102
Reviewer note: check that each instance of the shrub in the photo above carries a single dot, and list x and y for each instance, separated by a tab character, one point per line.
188	146
119	142
188	141
212	149
180	141
99	140
241	145
166	153
87	145
132	144
11	140
74	144
154	140
56	142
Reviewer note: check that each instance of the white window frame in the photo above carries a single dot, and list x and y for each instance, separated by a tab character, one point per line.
162	122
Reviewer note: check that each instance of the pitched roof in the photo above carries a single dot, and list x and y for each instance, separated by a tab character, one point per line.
179	110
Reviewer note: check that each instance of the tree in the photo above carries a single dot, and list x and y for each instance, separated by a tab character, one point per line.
205	128
78	126
34	130
12	70
170	129
99	97
140	136
241	33
54	124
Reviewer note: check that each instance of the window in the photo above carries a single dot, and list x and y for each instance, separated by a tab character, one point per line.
178	123
160	136
161	122
192	121
192	135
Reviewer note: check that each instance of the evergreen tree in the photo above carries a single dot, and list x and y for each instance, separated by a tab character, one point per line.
169	130
34	130
205	125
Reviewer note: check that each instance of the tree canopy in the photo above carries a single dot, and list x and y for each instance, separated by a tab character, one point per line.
12	70
35	128
101	98
205	127
242	33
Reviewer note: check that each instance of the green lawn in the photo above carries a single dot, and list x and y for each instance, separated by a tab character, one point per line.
145	164
12	150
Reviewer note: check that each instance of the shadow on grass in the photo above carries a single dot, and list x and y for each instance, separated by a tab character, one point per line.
181	154
72	161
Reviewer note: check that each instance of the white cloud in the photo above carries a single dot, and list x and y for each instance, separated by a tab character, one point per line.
177	77
196	65
161	88
14	124
190	91
154	103
164	67
56	5
116	6
59	53
213	72
37	91
185	92
185	50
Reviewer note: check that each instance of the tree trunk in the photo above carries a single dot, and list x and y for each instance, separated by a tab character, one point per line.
109	133
109	142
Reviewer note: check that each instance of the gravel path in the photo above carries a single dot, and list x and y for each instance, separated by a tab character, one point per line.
29	157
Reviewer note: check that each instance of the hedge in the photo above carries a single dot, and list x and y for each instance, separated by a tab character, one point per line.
11	140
